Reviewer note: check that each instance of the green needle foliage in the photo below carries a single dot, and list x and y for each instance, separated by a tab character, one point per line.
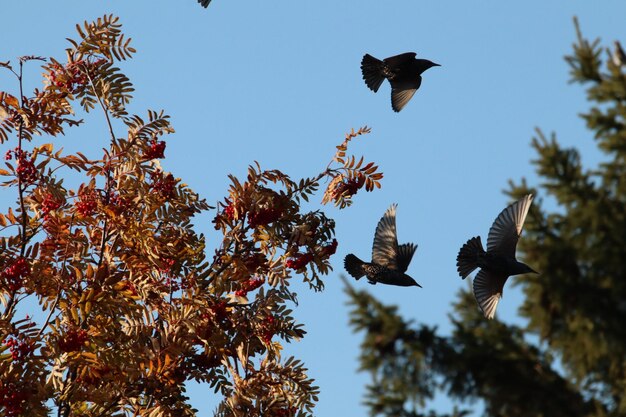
576	308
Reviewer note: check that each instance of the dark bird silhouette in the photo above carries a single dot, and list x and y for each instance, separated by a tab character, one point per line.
389	260
498	262
204	3
403	72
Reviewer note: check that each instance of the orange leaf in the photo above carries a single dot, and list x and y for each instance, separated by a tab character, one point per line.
11	100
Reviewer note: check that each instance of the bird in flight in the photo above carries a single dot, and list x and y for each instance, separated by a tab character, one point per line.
389	260
403	72
498	262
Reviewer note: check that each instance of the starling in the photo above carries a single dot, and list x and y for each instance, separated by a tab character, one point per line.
389	260
403	72
498	262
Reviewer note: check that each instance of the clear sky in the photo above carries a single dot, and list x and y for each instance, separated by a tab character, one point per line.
279	82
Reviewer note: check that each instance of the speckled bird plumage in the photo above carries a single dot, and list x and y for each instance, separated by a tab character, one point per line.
498	262
389	260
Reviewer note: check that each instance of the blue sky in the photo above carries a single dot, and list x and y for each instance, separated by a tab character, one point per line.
279	82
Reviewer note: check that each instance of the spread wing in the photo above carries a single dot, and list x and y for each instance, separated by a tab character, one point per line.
385	248
395	60
488	291
405	254
403	91
507	227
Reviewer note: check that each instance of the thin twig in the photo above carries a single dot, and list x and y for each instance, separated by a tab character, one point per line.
11	302
19	179
106	165
60	290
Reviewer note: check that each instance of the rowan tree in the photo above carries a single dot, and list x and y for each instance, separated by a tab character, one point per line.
575	308
135	303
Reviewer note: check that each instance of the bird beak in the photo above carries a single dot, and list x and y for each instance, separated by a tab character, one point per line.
436	65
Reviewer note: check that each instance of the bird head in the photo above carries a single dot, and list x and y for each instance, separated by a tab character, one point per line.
407	281
425	64
525	269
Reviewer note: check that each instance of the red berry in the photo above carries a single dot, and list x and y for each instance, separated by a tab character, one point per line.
299	261
73	340
331	248
14	274
87	203
156	150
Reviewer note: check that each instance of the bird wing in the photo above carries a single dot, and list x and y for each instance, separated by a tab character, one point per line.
488	291
405	254
402	91
507	227
385	248
395	60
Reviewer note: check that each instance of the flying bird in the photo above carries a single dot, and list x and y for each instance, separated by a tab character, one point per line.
389	260
403	72
498	262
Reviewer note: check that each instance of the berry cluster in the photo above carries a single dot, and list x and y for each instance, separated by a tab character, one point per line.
87	203
299	261
167	265
72	77
49	203
250	285
14	274
19	348
172	282
226	216
330	249
264	216
164	185
348	188
156	150
26	170
12	398
73	340
219	311
69	77
285	412
229	211
267	329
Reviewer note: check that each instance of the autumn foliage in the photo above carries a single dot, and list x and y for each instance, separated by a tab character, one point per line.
135	303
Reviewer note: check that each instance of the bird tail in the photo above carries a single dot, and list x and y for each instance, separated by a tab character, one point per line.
467	259
372	69
354	266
